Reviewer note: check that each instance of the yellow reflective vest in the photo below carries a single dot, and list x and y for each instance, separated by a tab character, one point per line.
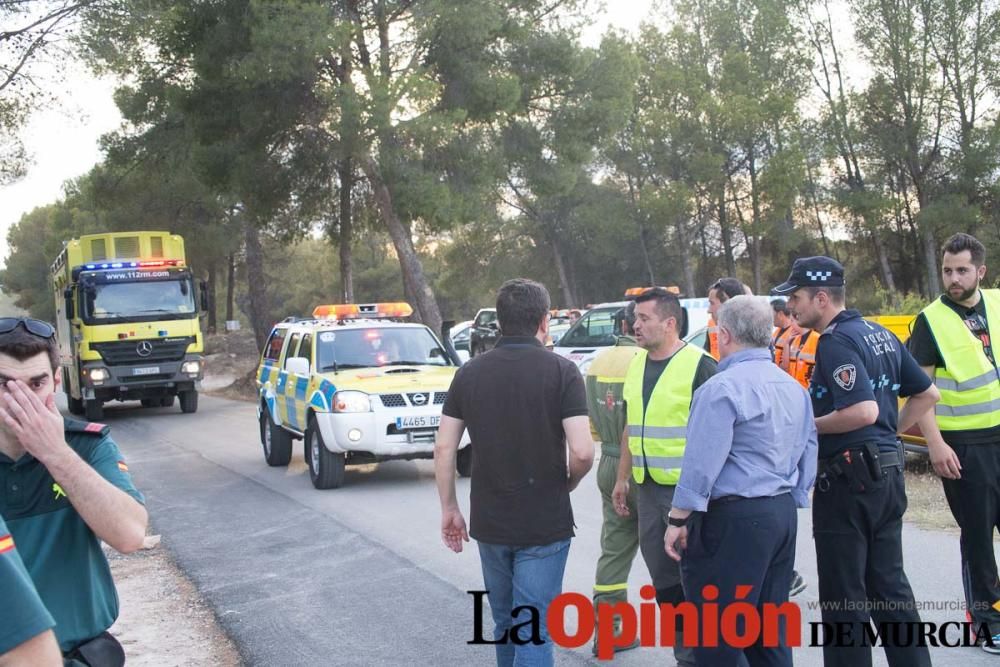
657	432
969	382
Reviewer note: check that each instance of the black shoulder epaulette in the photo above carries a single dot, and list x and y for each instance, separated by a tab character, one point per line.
77	426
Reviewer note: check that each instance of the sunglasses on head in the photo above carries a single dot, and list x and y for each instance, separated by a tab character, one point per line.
32	326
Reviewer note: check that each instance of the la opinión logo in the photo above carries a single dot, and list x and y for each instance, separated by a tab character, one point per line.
739	624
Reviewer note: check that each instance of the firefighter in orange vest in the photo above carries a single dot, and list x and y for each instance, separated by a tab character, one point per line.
803	357
723	290
786	330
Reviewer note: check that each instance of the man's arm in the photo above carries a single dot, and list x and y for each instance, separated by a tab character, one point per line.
619	495
943	457
41	650
807	462
112	514
449	435
848	419
581	448
917	406
710	432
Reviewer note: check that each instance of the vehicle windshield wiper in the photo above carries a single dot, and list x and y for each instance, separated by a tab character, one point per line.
339	367
408	363
154	310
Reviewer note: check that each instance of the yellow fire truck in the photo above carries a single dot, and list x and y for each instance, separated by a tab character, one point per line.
127	321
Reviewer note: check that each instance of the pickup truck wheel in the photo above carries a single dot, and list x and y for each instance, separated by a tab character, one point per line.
167	402
276	441
93	410
150	402
189	401
464	461
326	468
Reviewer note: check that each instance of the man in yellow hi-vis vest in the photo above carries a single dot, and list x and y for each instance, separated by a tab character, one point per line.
952	341
659	385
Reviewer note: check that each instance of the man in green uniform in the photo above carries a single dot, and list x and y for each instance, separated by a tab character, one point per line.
25	624
66	489
619	534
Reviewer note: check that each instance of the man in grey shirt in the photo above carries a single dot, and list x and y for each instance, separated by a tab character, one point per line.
750	462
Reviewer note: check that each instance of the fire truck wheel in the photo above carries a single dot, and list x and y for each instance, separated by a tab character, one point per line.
189	401
93	410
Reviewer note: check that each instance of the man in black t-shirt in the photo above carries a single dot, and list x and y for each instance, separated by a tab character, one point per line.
861	369
522	405
953	344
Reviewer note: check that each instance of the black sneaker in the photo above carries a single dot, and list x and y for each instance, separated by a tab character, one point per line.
798	584
993	648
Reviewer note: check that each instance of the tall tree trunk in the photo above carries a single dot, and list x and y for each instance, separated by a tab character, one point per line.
346	172
231	288
727	233
412	270
684	245
929	247
210	306
255	285
755	223
883	261
644	246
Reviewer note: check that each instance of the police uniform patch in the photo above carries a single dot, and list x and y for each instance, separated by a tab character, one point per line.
845	376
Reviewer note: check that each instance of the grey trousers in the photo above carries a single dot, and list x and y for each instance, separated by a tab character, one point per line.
654	503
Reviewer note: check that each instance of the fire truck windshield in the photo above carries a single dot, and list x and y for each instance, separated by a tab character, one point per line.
132	301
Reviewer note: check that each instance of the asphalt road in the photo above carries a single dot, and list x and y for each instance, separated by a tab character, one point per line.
358	575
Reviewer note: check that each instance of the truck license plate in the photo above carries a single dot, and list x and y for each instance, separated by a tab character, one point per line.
427	421
146	370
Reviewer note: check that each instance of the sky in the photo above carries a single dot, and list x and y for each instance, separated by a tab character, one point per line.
63	140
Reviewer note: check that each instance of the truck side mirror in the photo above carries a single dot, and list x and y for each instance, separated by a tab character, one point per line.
203	294
69	307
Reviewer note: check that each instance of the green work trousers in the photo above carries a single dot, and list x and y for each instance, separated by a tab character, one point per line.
619	536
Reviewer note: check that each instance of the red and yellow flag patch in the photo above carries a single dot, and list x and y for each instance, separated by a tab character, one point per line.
122	466
6	543
93	427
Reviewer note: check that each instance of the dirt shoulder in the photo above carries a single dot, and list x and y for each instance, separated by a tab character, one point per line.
230	363
163	621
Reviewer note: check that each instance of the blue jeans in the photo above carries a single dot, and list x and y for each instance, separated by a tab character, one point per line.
518	576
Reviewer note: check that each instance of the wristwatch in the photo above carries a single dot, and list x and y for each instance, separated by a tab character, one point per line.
674	521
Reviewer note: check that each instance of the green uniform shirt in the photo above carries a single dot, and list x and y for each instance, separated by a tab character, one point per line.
605	379
22	614
62	554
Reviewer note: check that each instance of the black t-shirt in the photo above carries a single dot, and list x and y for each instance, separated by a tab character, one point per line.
924	349
858	360
513	400
654	369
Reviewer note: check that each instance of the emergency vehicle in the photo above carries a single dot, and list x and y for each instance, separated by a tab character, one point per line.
127	322
600	328
356	384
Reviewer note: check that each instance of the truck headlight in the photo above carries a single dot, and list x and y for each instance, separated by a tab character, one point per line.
99	375
191	367
351	401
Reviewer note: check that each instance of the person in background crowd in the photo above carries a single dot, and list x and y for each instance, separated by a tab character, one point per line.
721	291
619	534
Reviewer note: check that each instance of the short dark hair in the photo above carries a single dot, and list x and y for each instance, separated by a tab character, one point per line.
729	286
837	293
22	345
521	306
780	306
961	242
667	304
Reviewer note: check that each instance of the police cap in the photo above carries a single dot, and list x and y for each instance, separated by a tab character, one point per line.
812	272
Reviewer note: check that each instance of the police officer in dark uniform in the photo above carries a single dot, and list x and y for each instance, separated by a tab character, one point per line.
861	370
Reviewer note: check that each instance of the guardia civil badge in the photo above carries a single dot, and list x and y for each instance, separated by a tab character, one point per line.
845	376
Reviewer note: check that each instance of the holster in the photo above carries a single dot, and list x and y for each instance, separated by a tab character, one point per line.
101	651
861	468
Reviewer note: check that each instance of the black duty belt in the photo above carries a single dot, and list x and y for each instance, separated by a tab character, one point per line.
864	467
